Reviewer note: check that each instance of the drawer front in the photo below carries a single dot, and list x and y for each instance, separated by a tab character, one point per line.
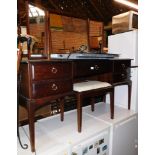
89	68
44	71
120	77
47	88
121	66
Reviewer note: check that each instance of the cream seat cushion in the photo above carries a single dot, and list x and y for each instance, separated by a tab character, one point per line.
89	85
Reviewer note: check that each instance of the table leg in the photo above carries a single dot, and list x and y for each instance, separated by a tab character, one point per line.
79	111
62	108
92	100
129	95
31	125
112	103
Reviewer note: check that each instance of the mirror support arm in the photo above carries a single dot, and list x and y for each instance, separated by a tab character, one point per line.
88	35
47	32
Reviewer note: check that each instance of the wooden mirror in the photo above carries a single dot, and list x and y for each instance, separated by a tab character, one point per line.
33	21
96	38
36	29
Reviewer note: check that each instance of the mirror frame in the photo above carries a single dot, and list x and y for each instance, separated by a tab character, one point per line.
47	36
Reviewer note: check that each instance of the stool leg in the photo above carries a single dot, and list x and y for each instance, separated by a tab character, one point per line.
104	98
79	111
62	109
129	95
92	100
112	103
57	106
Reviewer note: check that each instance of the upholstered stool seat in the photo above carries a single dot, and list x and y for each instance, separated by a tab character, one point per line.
89	85
91	89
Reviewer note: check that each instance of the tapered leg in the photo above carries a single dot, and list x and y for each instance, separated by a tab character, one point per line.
104	98
31	125
129	95
57	107
62	109
92	101
112	103
79	111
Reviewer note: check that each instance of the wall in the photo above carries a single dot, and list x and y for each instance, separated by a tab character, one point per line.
73	33
36	29
67	40
95	28
95	33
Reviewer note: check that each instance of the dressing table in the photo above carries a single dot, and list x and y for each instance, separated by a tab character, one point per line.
50	79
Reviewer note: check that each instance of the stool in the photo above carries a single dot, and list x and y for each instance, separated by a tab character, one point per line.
92	89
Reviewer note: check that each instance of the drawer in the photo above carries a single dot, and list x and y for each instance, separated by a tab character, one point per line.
88	68
120	77
121	66
51	87
44	71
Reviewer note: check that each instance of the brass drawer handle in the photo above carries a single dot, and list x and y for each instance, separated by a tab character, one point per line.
54	70
123	66
123	75
96	67
54	86
92	68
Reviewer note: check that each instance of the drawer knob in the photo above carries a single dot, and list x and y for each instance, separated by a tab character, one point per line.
96	67
123	66
54	70
92	68
54	86
123	75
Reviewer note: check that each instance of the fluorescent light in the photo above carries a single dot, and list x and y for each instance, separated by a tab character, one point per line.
125	2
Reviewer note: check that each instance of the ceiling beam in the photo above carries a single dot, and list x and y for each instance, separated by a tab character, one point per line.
85	7
79	8
97	10
55	6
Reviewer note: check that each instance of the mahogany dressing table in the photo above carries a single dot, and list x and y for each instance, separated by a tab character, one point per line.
45	80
